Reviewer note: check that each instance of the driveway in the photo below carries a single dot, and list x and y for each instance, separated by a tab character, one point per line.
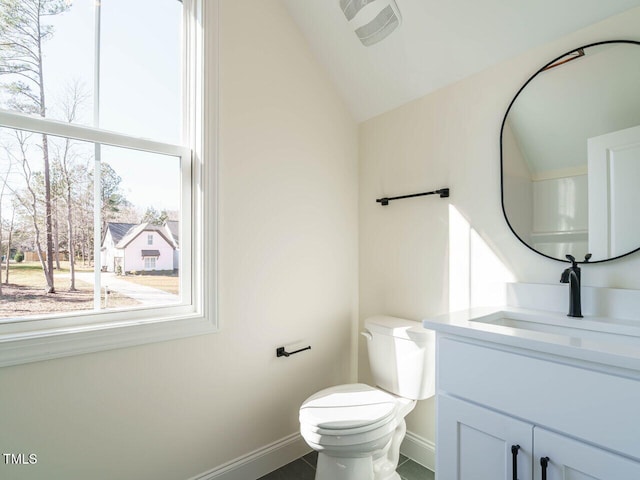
145	295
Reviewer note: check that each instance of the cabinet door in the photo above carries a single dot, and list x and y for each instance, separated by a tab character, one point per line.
476	444
573	460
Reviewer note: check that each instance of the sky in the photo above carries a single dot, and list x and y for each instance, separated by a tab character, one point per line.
140	85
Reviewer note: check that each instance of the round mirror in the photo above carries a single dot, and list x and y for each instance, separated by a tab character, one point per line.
570	155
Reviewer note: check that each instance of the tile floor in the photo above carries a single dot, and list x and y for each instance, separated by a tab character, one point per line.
304	468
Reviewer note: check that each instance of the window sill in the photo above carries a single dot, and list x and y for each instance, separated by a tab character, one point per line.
27	347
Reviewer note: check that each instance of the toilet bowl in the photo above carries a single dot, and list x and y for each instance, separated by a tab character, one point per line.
357	429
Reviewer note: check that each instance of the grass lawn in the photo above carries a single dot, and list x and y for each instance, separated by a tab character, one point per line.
29	274
25	293
169	282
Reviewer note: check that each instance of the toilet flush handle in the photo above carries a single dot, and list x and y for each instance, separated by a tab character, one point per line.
366	334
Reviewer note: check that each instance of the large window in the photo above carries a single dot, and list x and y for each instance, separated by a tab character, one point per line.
100	107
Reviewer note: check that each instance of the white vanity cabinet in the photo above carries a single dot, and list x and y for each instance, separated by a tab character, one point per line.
475	443
584	417
571	459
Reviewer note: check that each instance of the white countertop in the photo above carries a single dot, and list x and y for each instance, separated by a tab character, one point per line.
604	340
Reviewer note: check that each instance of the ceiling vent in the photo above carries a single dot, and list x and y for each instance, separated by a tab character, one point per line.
372	20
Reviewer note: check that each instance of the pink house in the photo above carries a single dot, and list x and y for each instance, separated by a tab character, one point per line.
130	247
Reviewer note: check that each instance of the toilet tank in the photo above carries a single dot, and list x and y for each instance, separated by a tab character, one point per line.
401	356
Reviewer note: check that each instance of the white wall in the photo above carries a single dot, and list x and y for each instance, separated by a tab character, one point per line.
451	138
107	253
287	273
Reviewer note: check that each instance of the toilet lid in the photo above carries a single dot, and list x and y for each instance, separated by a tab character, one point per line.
346	407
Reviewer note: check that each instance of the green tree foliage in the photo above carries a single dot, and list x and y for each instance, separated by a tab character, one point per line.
154	217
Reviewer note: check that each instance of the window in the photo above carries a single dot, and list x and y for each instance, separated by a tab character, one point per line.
149	263
101	115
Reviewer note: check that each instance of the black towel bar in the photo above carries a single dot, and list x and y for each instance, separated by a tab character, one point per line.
443	192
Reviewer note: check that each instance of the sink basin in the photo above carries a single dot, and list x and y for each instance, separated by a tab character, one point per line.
606	340
594	328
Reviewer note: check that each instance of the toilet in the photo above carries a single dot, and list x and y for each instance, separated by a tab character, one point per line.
357	429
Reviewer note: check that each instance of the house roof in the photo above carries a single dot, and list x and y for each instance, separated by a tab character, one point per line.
174	228
118	230
134	232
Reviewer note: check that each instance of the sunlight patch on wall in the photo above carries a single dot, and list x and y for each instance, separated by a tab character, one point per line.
459	261
477	277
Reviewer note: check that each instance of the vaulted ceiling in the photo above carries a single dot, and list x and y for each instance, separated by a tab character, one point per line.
439	42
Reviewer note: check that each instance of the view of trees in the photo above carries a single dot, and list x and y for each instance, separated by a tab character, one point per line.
23	33
46	182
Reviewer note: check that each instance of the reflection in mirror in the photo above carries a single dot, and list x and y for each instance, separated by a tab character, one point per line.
571	154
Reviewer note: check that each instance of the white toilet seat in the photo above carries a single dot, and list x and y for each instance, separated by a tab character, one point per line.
346	407
352	414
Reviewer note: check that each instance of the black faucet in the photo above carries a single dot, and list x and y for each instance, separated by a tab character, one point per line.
571	276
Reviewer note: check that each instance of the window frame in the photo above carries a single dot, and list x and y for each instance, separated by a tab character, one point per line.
35	339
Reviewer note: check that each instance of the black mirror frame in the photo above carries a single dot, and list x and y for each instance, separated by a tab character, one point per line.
504	120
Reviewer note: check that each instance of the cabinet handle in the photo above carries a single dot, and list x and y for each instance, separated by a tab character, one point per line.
514	458
544	461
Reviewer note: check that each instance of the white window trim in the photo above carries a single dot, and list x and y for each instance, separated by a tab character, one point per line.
106	330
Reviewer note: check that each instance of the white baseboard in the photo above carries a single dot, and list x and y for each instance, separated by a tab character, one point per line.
259	462
273	456
419	450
